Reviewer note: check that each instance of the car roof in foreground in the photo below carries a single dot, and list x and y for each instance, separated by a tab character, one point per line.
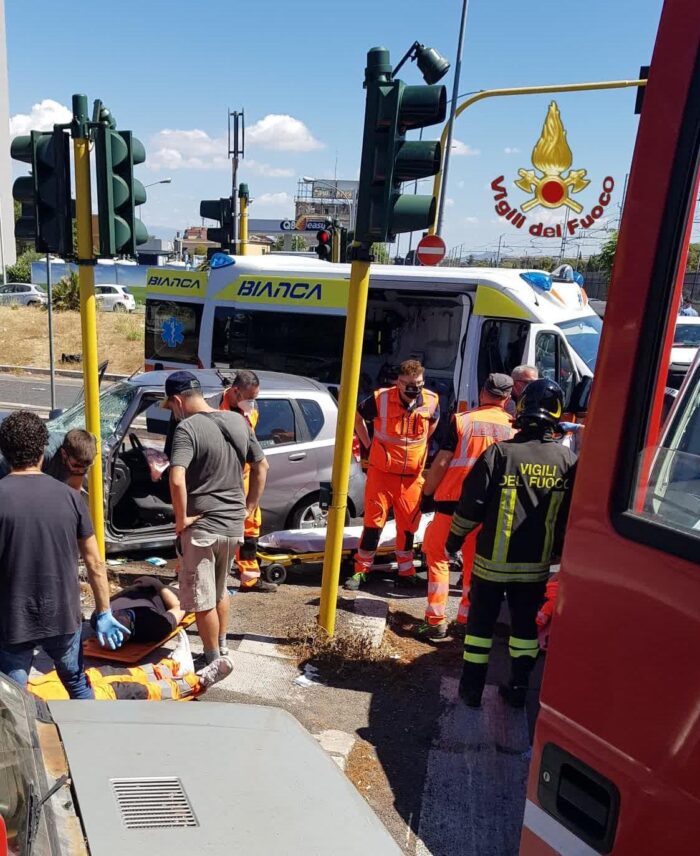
211	379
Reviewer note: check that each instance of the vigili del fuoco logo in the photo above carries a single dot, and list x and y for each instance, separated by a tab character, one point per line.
551	184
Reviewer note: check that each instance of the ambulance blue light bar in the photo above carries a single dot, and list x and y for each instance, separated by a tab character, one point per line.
540	280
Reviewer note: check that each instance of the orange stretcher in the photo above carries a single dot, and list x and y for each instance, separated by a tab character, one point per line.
131	652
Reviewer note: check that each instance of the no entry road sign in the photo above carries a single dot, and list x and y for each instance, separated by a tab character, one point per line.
431	250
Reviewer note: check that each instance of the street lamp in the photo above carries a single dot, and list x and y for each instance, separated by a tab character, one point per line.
162	181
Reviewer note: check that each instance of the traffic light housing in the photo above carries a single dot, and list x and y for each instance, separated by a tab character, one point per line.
639	100
324	247
220	210
118	192
45	194
388	159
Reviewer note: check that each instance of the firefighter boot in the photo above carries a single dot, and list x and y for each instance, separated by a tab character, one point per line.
513	695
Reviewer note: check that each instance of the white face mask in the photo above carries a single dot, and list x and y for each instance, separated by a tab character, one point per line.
247	406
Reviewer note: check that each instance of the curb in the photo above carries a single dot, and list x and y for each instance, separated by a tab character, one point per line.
60	372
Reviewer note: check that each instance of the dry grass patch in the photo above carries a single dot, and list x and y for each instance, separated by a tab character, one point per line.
24	338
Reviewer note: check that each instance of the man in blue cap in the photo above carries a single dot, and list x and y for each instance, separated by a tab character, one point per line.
210	449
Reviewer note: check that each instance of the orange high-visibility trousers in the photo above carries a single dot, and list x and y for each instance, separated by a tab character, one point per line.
246	555
439	569
384	491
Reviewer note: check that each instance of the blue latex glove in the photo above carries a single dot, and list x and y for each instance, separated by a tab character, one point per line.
110	633
566	427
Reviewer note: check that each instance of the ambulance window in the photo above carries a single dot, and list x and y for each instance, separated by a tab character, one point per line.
172	331
502	347
553	361
276	425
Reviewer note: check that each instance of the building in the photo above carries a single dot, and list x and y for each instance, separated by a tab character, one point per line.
321	198
8	255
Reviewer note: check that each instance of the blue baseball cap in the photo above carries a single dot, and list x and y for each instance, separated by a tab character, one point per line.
177	383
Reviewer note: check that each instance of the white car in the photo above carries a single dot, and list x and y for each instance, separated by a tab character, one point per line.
22	294
686	342
114	298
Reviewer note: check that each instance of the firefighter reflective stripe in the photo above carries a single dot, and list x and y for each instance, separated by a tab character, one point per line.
504	524
506	572
555	501
461	526
522	647
516	567
477	649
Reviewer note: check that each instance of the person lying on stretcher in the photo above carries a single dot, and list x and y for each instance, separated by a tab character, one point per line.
149	609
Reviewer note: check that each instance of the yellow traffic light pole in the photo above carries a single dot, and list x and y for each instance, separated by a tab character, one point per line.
88	315
347	406
520	90
243	224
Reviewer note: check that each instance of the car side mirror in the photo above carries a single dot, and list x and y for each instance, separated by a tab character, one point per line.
580	396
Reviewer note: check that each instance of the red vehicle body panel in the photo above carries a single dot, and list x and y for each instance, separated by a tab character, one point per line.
621	689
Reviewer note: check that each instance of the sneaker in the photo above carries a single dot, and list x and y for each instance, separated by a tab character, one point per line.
432	631
471	696
513	695
260	586
224	650
216	671
354	582
458	630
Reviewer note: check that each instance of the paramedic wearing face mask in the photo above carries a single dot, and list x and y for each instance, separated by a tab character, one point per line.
240	398
405	417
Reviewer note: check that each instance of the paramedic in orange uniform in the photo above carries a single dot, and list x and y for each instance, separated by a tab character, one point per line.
404	417
470	434
240	398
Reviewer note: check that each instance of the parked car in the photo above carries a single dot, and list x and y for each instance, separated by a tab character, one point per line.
686	342
22	294
114	298
296	429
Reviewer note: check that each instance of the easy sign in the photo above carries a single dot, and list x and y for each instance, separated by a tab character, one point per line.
431	250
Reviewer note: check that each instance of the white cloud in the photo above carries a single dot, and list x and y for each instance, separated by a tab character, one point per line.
42	117
460	149
282	133
194	149
471	220
266	170
511	150
449	202
275	204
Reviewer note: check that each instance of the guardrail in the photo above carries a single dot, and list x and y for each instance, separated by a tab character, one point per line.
71	373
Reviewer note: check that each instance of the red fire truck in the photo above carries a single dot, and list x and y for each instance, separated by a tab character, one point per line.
616	756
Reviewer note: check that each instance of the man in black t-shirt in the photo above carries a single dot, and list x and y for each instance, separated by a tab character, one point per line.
148	609
44	527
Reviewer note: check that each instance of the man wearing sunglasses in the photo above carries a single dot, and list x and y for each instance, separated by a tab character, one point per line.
405	417
73	459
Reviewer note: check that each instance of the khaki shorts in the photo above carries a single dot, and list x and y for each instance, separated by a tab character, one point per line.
206	561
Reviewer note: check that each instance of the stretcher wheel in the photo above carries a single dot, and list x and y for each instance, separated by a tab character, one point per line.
274	573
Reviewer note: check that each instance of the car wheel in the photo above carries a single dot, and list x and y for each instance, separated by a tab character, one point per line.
119	307
308	514
34	303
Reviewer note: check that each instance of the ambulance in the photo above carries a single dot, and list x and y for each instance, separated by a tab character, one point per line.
288	315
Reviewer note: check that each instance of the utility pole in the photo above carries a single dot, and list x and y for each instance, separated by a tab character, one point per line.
451	121
498	251
52	371
236	151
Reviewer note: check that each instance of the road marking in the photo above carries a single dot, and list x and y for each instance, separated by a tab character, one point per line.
476	777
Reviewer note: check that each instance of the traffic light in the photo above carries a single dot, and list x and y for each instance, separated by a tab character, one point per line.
388	159
324	248
639	100
220	210
118	192
45	194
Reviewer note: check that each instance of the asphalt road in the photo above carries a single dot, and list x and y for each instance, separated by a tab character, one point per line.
16	392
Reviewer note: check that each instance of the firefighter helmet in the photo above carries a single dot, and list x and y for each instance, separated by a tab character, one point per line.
541	404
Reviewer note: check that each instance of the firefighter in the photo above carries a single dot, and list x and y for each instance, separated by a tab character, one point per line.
469	435
240	398
518	492
404	417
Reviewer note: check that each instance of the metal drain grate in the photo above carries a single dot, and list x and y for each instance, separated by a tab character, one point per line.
153	803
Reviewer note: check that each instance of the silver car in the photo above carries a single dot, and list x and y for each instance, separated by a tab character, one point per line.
114	298
296	428
22	294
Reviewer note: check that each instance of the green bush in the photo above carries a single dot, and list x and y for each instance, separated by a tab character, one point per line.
21	270
66	293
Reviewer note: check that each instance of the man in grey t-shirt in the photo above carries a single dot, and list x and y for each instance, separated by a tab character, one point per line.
209	451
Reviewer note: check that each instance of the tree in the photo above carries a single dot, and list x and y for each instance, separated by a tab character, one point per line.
278	246
381	254
606	256
66	293
21	270
299	244
200	250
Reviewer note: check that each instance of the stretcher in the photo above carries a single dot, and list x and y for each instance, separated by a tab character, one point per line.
131	653
278	551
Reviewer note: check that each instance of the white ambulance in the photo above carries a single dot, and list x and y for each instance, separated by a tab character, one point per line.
288	315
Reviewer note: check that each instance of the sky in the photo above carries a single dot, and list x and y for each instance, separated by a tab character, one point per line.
170	70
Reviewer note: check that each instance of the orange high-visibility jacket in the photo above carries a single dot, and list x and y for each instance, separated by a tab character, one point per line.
400	441
476	431
252	419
